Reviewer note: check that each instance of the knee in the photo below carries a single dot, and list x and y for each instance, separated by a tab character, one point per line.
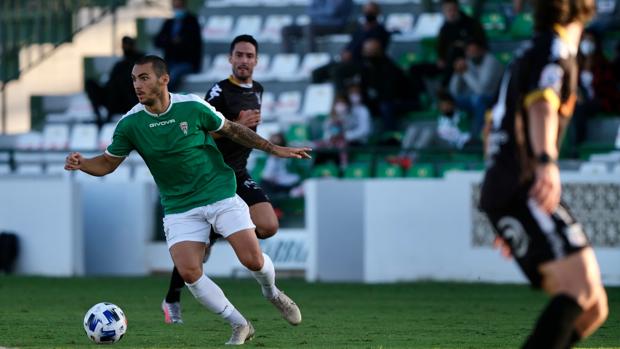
267	229
253	260
190	274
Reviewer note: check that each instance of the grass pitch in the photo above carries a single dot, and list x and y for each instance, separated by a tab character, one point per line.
48	313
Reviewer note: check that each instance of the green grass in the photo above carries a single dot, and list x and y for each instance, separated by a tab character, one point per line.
48	313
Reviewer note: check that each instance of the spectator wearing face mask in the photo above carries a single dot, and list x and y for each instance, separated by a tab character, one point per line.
357	123
474	83
598	90
370	27
181	41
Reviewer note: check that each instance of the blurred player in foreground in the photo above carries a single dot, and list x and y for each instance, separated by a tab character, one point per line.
172	134
521	190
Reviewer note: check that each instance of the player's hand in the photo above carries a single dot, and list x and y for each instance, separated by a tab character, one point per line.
288	152
73	161
503	247
547	190
249	118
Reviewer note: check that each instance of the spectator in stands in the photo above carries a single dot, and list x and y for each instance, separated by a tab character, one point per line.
117	95
448	123
357	123
326	17
340	72
276	178
598	90
370	27
384	85
181	41
475	81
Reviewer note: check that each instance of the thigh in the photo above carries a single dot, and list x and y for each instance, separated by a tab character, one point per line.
536	237
229	216
187	254
186	226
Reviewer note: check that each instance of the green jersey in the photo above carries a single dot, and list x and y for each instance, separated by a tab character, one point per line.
181	154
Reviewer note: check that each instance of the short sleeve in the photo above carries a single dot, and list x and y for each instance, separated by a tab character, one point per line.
210	119
545	83
121	145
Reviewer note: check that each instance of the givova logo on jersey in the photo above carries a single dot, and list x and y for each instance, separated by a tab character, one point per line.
162	123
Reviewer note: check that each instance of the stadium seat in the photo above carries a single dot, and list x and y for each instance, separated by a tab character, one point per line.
28	142
289	103
84	137
218	28
421	170
79	110
387	170
248	24
272	30
494	24
312	61
261	71
302	20
203	75
256	166
593	168
325	170
357	170
266	129
522	26
427	25
401	23
105	136
285	67
297	134
451	166
55	137
504	57
268	106
220	68
318	99
29	169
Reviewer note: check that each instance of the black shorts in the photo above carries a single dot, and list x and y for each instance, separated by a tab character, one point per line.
249	190
536	237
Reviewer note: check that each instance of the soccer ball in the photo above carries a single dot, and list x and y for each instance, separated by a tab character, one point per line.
105	323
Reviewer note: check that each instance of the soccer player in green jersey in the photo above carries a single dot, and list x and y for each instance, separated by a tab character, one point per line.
172	134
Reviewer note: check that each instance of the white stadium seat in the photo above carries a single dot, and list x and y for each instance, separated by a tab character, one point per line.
284	67
427	25
261	70
312	61
318	99
55	137
302	20
593	168
105	136
219	69
266	129
288	104
400	22
249	24
272	30
29	141
218	28
268	106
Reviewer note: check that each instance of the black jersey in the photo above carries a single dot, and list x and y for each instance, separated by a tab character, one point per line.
546	67
229	98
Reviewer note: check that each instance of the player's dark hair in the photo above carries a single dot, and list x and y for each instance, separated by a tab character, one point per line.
243	38
159	65
547	13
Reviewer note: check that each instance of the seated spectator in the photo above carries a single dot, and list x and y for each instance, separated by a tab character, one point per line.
357	122
276	178
448	123
326	17
181	41
370	27
598	90
334	141
385	87
474	83
340	72
117	95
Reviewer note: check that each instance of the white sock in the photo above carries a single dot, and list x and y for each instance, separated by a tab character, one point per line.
266	277
212	297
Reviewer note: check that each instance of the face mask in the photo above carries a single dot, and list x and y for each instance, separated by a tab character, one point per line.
355	98
370	17
179	13
340	108
586	47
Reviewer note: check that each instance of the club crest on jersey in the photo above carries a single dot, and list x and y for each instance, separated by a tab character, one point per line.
183	126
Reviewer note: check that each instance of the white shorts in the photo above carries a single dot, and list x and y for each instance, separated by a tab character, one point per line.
226	216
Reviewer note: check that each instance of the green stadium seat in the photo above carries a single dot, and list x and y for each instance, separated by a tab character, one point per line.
504	57
325	170
387	170
494	24
522	27
357	170
257	171
297	134
451	166
421	170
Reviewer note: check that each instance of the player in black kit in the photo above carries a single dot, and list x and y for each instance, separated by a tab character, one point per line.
238	98
521	190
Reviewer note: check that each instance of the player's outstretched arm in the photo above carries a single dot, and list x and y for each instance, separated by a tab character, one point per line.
98	166
248	138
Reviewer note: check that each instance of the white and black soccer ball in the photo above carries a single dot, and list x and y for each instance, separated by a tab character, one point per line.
105	323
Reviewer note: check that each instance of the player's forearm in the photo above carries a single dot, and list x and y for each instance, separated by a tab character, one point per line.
543	126
246	137
97	166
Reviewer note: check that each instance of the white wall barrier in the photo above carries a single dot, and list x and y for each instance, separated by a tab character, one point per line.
402	229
